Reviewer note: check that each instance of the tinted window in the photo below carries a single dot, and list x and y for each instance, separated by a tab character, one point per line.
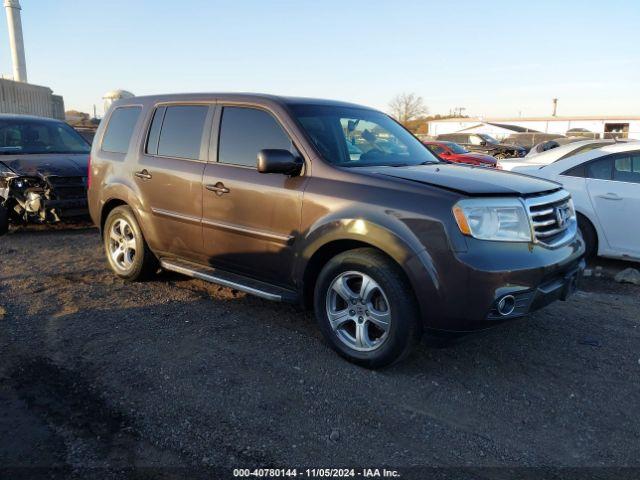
246	131
577	171
181	133
600	169
627	168
154	131
120	128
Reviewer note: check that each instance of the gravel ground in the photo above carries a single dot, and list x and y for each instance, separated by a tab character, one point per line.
175	372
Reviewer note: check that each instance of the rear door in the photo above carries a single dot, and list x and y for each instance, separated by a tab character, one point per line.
251	220
169	176
613	184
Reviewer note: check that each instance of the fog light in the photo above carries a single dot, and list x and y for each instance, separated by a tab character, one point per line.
506	305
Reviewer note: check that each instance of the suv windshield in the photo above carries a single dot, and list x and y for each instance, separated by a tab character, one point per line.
357	137
23	137
455	148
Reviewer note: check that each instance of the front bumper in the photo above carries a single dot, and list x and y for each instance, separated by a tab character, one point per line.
470	284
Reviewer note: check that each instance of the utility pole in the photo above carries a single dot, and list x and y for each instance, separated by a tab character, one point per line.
555	107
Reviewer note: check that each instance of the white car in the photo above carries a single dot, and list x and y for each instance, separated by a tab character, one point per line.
605	186
553	155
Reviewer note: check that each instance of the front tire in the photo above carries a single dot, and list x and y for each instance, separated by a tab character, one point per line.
589	235
127	251
365	308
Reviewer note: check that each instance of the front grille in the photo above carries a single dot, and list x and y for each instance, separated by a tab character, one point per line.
552	218
64	188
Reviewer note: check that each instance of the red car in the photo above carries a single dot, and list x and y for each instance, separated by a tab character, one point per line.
452	152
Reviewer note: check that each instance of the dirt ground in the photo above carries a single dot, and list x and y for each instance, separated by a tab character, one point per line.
102	379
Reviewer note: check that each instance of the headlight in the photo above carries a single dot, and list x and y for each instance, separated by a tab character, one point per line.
499	219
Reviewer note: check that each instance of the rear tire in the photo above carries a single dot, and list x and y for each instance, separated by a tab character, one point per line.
589	235
380	323
4	220
127	251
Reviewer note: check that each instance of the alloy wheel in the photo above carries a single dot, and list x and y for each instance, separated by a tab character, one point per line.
122	244
358	311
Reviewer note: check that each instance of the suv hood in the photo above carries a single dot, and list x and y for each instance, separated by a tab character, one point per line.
468	180
46	165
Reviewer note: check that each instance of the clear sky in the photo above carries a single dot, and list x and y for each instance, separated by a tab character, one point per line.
495	58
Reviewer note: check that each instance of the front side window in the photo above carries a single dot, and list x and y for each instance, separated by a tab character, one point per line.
335	131
24	137
120	129
437	149
181	131
246	131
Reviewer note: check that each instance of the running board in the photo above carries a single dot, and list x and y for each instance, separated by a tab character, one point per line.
231	280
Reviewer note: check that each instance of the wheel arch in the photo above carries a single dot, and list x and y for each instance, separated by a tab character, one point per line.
587	217
323	255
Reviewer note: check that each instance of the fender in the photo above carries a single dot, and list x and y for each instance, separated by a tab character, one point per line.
387	233
127	192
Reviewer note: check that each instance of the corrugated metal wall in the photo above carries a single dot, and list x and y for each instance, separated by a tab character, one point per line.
27	99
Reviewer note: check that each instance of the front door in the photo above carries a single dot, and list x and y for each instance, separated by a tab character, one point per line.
251	220
613	184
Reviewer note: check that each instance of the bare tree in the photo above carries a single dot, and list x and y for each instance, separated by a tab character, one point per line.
407	106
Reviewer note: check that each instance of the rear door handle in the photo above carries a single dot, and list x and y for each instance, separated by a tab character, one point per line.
143	174
610	196
218	188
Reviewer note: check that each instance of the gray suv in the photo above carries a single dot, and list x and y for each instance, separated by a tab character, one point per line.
332	206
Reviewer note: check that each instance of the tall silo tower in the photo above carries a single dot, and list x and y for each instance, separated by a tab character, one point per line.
16	41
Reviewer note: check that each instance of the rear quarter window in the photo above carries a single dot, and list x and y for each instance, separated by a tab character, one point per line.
120	129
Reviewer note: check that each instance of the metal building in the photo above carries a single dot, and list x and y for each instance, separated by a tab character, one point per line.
28	99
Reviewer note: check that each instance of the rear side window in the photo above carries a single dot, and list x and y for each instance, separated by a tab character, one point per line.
246	131
600	169
120	129
154	131
180	131
577	171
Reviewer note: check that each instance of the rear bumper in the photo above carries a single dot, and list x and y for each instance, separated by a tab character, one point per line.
470	285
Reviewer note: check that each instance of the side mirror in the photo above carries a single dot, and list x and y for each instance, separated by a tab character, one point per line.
483	143
278	161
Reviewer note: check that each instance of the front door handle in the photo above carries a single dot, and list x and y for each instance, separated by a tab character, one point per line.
610	196
143	174
218	188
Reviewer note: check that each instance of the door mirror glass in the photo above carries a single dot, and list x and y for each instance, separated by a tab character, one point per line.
278	161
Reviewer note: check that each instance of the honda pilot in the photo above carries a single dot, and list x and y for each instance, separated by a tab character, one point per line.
332	206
